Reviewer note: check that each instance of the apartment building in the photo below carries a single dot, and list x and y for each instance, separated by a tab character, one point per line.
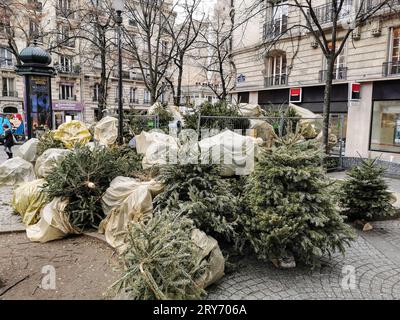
267	70
75	89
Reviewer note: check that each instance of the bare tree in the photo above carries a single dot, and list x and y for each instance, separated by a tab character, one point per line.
184	36
151	47
344	16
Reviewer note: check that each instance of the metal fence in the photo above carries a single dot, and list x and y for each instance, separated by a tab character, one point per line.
309	127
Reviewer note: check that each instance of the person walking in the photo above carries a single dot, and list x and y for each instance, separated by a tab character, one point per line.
9	140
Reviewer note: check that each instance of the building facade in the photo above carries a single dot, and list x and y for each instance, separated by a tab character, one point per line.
75	89
267	69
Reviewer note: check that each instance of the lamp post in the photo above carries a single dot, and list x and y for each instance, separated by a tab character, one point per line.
118	6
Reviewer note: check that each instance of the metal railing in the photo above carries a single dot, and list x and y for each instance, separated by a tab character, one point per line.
310	128
69	98
390	68
134	101
277	80
338	74
13	94
325	13
274	28
6	63
67	70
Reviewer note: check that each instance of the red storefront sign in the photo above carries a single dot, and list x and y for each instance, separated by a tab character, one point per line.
295	94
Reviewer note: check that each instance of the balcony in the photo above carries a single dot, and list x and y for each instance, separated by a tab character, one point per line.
277	80
325	13
146	101
390	69
6	64
274	29
134	101
76	71
125	74
338	74
11	94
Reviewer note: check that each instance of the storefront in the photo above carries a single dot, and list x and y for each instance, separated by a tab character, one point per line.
66	111
385	119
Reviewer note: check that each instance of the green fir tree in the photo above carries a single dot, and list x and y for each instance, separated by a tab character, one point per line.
364	194
292	212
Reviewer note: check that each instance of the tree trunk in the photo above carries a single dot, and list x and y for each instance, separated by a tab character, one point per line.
178	97
327	102
102	104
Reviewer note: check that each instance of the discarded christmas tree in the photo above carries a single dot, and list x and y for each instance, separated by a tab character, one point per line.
83	176
198	192
364	194
292	213
160	260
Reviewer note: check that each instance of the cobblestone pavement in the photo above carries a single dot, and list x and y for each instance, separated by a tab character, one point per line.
373	259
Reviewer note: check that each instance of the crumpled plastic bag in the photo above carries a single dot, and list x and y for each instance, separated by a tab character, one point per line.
48	160
126	201
235	153
28	200
158	148
53	223
72	133
28	150
208	253
106	131
15	171
250	110
265	131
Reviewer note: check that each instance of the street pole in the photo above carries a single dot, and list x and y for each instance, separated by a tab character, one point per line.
120	89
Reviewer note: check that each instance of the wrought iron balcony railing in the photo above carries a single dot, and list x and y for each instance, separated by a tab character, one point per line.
338	74
277	80
275	28
134	101
390	69
68	98
13	94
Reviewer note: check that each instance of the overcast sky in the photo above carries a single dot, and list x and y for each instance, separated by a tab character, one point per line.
205	6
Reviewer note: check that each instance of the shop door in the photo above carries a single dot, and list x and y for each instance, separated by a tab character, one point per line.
58	119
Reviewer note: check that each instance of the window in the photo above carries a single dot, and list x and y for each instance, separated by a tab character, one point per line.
146	98
67	92
276	70
132	95
65	64
8	87
33	28
6	59
385	131
339	69
277	23
393	66
65	36
96	92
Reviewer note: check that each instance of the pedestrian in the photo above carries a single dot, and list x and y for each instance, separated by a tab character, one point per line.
9	140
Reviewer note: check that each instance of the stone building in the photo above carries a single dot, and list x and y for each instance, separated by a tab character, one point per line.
75	89
267	69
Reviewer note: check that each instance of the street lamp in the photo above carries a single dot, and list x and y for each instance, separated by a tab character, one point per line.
118	6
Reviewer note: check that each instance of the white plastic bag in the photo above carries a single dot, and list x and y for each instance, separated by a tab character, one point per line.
234	152
126	201
28	150
48	160
16	170
53	223
106	131
208	253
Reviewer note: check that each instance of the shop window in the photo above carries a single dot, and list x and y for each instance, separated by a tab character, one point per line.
385	131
